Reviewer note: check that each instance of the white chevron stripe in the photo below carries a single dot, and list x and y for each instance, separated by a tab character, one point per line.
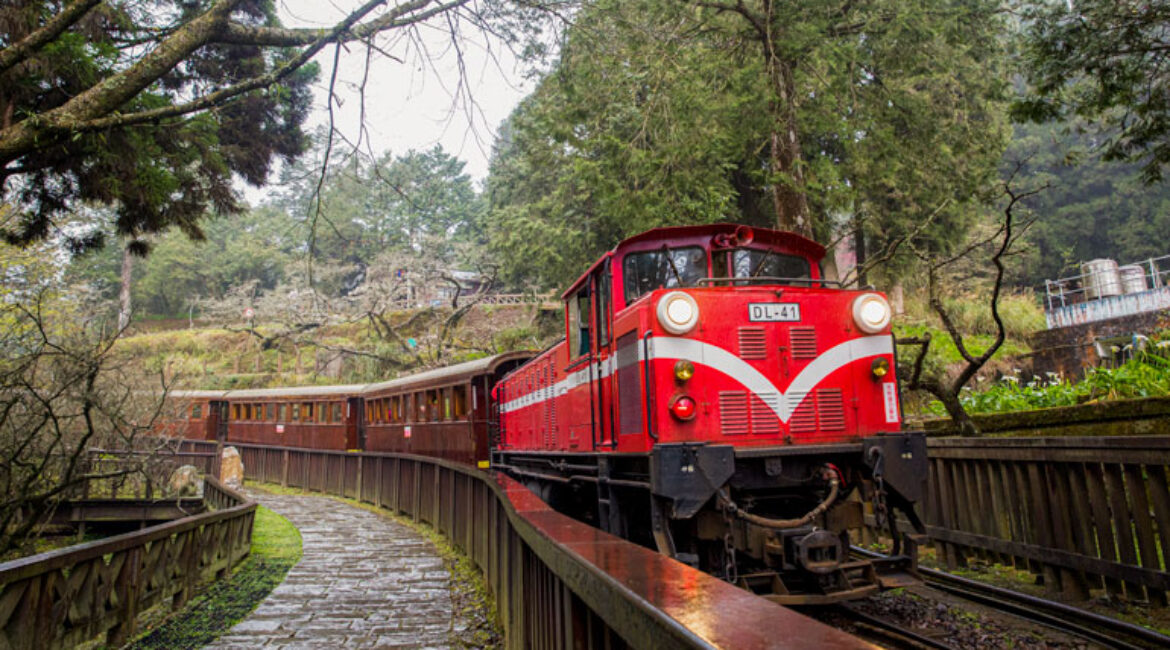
721	360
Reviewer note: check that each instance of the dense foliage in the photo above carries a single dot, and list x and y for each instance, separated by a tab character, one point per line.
1146	375
365	211
1105	60
1091	208
153	176
663	113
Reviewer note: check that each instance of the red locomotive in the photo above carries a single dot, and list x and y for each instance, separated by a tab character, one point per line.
718	398
715	397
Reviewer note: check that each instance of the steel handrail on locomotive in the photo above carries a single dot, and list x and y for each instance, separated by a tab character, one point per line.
713	398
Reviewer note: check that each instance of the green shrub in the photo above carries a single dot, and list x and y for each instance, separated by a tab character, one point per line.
1146	375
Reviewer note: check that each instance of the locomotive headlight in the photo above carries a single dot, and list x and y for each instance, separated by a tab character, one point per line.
871	312
684	370
678	312
880	367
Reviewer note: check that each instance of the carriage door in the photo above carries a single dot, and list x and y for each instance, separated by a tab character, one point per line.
217	421
603	346
355	424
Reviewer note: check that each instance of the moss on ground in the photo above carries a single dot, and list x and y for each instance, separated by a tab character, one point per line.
276	548
472	601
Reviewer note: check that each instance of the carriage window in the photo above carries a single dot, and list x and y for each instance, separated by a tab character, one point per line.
269	411
459	397
282	413
649	270
296	412
196	411
336	412
307	411
752	262
447	415
579	311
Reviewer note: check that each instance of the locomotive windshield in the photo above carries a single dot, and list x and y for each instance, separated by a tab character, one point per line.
756	263
667	267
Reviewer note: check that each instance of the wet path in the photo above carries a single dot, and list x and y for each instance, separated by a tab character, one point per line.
364	582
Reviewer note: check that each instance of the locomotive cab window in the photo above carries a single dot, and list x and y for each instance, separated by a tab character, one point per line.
604	290
579	308
763	264
663	268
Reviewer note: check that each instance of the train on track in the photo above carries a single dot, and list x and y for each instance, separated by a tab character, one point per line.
715	397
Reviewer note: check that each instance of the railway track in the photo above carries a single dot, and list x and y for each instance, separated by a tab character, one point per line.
884	632
1103	630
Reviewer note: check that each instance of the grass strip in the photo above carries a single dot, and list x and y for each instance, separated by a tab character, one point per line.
276	548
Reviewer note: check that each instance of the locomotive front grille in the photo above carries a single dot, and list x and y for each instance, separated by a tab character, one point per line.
741	413
753	343
823	410
804	420
764	420
830	409
734	418
803	341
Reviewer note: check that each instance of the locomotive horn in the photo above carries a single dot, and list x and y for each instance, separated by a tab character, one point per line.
742	236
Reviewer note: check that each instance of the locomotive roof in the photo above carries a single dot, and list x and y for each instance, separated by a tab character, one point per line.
447	373
790	240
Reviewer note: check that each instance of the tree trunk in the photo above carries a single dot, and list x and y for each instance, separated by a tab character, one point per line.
898	299
788	183
959	416
124	294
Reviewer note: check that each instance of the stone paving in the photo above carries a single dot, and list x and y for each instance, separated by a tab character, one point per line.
364	582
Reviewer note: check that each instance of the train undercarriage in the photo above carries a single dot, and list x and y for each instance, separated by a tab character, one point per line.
774	520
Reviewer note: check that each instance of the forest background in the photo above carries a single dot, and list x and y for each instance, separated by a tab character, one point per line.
893	126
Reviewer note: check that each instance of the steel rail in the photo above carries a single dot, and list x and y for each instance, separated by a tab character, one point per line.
1099	628
898	634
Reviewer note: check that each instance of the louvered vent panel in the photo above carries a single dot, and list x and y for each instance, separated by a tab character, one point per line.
803	341
753	343
830	409
804	419
764	420
733	412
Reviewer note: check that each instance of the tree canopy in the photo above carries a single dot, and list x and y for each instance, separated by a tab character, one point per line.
1103	61
664	112
153	107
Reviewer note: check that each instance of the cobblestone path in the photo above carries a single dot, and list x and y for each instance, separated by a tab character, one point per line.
363	582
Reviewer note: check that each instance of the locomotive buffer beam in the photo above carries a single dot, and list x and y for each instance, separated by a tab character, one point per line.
687	475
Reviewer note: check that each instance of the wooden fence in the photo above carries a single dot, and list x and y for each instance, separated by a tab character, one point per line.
1081	512
96	591
558	583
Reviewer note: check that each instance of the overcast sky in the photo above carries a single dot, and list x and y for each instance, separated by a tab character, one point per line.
415	104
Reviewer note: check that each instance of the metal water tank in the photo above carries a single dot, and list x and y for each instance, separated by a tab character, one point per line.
1133	278
1100	278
